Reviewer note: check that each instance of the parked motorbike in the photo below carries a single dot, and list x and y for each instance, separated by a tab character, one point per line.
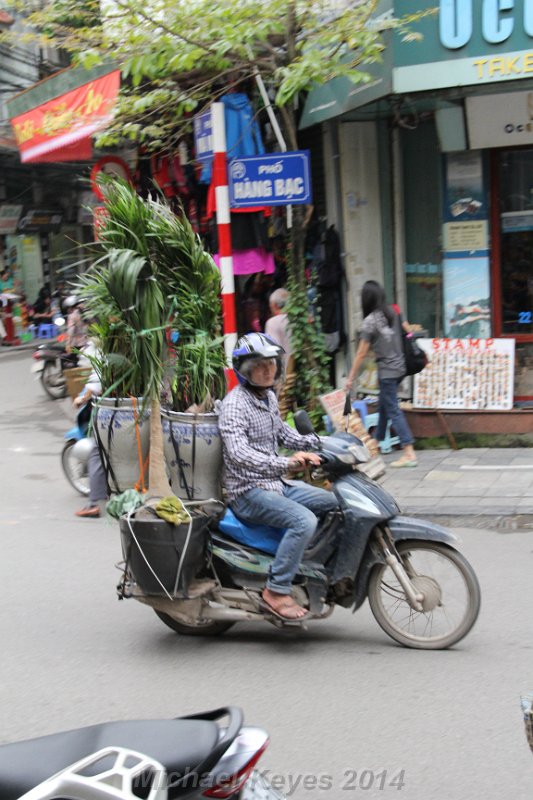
76	452
188	757
51	361
422	591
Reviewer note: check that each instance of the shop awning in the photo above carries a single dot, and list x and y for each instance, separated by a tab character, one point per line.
55	119
340	95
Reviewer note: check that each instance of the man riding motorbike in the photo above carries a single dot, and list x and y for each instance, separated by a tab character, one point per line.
251	429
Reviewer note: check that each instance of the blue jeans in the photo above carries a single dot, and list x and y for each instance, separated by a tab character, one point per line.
294	510
389	409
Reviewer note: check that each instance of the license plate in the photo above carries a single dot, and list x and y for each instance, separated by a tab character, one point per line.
37	367
258	788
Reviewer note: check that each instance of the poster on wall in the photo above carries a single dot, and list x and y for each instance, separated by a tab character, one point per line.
466	374
466	291
465	193
24	261
465	264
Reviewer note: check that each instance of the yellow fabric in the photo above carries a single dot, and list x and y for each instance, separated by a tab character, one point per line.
172	510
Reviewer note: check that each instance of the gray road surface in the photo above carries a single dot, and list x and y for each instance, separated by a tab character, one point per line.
338	699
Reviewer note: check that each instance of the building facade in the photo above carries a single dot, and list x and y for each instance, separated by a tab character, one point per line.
41	214
431	178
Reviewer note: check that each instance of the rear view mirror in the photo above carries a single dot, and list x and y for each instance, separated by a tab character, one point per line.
303	423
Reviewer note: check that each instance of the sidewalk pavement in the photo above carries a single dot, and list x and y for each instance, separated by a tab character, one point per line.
474	487
478	487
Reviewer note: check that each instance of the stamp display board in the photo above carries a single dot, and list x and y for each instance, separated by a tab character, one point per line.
466	374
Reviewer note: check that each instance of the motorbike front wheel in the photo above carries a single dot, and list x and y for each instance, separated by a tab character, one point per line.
451	593
53	381
76	471
213	628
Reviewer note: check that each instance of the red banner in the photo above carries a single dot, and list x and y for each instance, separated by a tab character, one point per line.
61	129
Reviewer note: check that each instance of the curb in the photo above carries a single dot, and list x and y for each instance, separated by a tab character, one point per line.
504	522
6	350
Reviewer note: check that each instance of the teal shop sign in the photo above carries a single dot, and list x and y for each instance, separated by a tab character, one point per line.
469	42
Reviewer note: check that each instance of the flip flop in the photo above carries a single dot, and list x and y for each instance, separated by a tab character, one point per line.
409	462
265	606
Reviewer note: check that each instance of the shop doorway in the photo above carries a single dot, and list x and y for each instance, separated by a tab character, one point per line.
512	259
513	273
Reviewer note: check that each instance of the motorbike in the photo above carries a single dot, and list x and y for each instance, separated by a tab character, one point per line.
422	591
51	361
193	756
76	451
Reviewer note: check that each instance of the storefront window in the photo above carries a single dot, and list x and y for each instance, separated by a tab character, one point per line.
516	241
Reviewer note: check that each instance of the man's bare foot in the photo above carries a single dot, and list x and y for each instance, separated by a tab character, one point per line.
283	605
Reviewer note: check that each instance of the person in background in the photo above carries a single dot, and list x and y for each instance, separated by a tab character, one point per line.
59	296
277	326
97	479
76	325
381	330
42	308
7	283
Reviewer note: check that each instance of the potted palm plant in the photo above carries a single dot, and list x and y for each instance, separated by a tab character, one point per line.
153	277
122	293
191	437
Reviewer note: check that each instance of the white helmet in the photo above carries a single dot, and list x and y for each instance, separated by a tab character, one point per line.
71	301
250	349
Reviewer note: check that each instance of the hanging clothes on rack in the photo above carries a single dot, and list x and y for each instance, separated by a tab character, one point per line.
251	246
249	229
243	136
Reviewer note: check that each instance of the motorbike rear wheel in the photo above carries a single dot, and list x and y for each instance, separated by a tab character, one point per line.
76	472
451	592
53	381
213	628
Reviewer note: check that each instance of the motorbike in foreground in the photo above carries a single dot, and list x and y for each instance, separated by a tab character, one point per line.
202	578
188	757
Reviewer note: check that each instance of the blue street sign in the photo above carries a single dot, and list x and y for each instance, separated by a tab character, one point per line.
278	179
203	136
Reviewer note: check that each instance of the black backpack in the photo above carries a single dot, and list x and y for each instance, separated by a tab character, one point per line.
415	358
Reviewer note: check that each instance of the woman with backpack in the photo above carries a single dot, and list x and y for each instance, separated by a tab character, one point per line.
382	331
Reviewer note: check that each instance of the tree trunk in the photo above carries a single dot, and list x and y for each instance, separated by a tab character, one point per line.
157	473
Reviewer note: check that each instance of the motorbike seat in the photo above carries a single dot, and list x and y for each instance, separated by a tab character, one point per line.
265	538
178	744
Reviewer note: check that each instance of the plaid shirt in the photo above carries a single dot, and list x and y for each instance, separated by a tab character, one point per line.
251	431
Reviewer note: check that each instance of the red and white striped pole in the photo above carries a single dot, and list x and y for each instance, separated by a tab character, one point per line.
225	253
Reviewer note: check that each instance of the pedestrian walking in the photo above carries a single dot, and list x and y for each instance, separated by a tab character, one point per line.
277	326
382	331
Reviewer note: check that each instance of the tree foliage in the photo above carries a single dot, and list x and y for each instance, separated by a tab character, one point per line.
178	56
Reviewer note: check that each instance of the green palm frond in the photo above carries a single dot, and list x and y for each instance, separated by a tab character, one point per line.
153	273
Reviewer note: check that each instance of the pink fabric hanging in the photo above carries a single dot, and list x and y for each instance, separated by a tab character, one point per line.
245	262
